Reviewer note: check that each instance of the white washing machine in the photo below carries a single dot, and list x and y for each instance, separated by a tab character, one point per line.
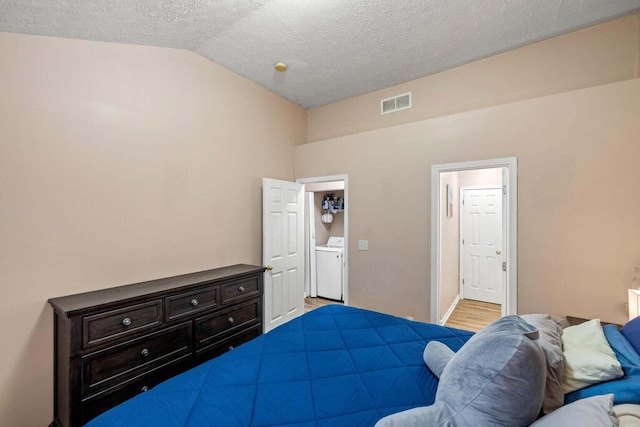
330	269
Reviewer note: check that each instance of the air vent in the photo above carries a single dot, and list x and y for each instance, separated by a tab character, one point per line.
397	103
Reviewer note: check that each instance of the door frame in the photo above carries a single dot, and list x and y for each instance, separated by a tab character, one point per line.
510	291
310	235
345	179
461	250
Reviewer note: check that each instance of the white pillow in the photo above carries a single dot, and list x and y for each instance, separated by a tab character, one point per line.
595	411
628	414
589	357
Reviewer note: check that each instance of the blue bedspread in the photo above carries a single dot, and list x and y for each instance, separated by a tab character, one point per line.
334	366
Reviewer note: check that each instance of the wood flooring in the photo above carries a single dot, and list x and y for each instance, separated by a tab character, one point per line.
313	303
469	315
473	315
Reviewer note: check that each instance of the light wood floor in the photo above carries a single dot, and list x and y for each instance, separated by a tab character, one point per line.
469	315
313	303
473	315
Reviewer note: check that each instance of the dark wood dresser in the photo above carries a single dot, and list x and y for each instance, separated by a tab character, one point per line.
573	321
112	344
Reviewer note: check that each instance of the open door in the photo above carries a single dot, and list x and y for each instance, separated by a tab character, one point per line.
282	251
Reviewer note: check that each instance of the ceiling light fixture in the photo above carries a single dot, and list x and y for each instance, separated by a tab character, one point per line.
281	66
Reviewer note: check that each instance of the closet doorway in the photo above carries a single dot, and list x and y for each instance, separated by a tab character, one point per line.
326	223
456	291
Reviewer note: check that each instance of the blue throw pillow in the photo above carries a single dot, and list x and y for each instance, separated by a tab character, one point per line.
626	354
631	332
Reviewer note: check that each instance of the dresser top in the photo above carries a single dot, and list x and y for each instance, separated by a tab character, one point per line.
72	304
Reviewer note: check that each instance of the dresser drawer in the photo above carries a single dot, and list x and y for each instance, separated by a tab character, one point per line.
211	327
228	344
191	302
93	406
108	367
240	289
118	323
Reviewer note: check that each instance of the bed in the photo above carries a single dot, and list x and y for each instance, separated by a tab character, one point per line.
334	366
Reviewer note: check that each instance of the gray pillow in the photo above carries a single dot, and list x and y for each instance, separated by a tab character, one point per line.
497	378
551	343
596	411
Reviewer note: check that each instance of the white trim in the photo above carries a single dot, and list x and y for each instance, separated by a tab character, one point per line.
510	296
345	179
450	311
481	187
310	274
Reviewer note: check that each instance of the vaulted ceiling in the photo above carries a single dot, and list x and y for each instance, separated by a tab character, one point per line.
334	49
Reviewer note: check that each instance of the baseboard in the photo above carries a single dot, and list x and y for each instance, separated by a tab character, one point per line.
448	313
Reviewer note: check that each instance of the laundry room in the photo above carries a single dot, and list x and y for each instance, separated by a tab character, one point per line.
329	213
325	239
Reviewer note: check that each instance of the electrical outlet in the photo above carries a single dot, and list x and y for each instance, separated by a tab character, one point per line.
363	245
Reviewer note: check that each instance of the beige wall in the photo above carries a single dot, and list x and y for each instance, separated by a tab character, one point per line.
125	163
120	164
601	54
450	228
579	234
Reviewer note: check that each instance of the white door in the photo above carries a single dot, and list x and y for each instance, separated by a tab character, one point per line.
282	251
481	251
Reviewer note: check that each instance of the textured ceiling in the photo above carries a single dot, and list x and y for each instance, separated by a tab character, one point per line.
335	49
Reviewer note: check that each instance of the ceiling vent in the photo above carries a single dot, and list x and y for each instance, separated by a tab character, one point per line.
397	103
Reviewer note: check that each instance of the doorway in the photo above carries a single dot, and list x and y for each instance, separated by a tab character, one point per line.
446	215
283	249
326	216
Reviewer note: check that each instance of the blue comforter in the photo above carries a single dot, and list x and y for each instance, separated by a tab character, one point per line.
334	366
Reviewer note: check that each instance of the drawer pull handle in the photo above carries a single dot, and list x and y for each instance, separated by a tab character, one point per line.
241	288
194	302
126	321
231	347
145	352
145	388
230	320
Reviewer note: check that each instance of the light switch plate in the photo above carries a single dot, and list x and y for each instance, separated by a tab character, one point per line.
363	245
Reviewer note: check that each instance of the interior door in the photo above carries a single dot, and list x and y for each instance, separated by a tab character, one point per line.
481	252
283	251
